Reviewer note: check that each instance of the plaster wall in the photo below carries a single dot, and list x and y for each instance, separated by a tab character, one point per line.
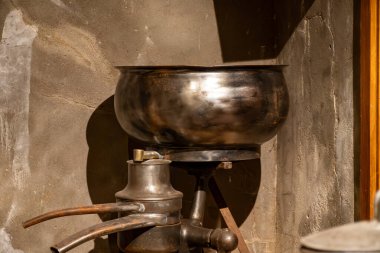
61	145
315	156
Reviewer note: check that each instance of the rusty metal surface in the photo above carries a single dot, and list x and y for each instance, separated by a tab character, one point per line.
230	106
109	227
93	209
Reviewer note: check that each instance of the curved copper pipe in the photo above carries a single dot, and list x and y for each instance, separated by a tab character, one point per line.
100	208
108	227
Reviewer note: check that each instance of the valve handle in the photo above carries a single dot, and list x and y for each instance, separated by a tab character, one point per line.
223	240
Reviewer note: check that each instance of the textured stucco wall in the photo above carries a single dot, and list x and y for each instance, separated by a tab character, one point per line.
315	178
61	145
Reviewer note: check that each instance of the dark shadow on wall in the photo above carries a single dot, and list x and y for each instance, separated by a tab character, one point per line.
240	187
255	29
108	152
106	164
288	13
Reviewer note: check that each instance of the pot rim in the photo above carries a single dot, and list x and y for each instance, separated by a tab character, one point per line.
199	68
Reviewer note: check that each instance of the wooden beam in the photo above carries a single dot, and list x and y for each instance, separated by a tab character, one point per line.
369	106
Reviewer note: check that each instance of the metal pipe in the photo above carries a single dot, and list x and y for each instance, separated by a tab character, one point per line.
222	240
94	209
139	155
195	236
109	227
199	202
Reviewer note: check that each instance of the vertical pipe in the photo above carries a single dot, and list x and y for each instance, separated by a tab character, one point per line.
199	203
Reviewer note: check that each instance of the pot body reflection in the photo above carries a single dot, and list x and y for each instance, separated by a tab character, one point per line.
233	106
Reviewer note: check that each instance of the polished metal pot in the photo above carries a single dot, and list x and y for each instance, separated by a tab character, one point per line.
182	106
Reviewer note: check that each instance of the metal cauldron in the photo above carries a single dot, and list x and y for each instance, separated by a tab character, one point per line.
183	106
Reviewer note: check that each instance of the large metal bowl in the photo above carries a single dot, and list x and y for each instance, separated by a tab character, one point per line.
183	106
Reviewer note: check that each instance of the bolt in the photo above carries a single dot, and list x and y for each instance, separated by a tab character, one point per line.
225	165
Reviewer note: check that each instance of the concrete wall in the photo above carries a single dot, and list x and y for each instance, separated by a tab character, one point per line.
61	145
315	157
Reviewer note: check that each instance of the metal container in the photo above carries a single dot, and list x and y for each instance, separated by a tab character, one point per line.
183	106
149	184
358	237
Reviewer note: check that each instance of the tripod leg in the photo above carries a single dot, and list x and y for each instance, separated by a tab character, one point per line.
227	215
